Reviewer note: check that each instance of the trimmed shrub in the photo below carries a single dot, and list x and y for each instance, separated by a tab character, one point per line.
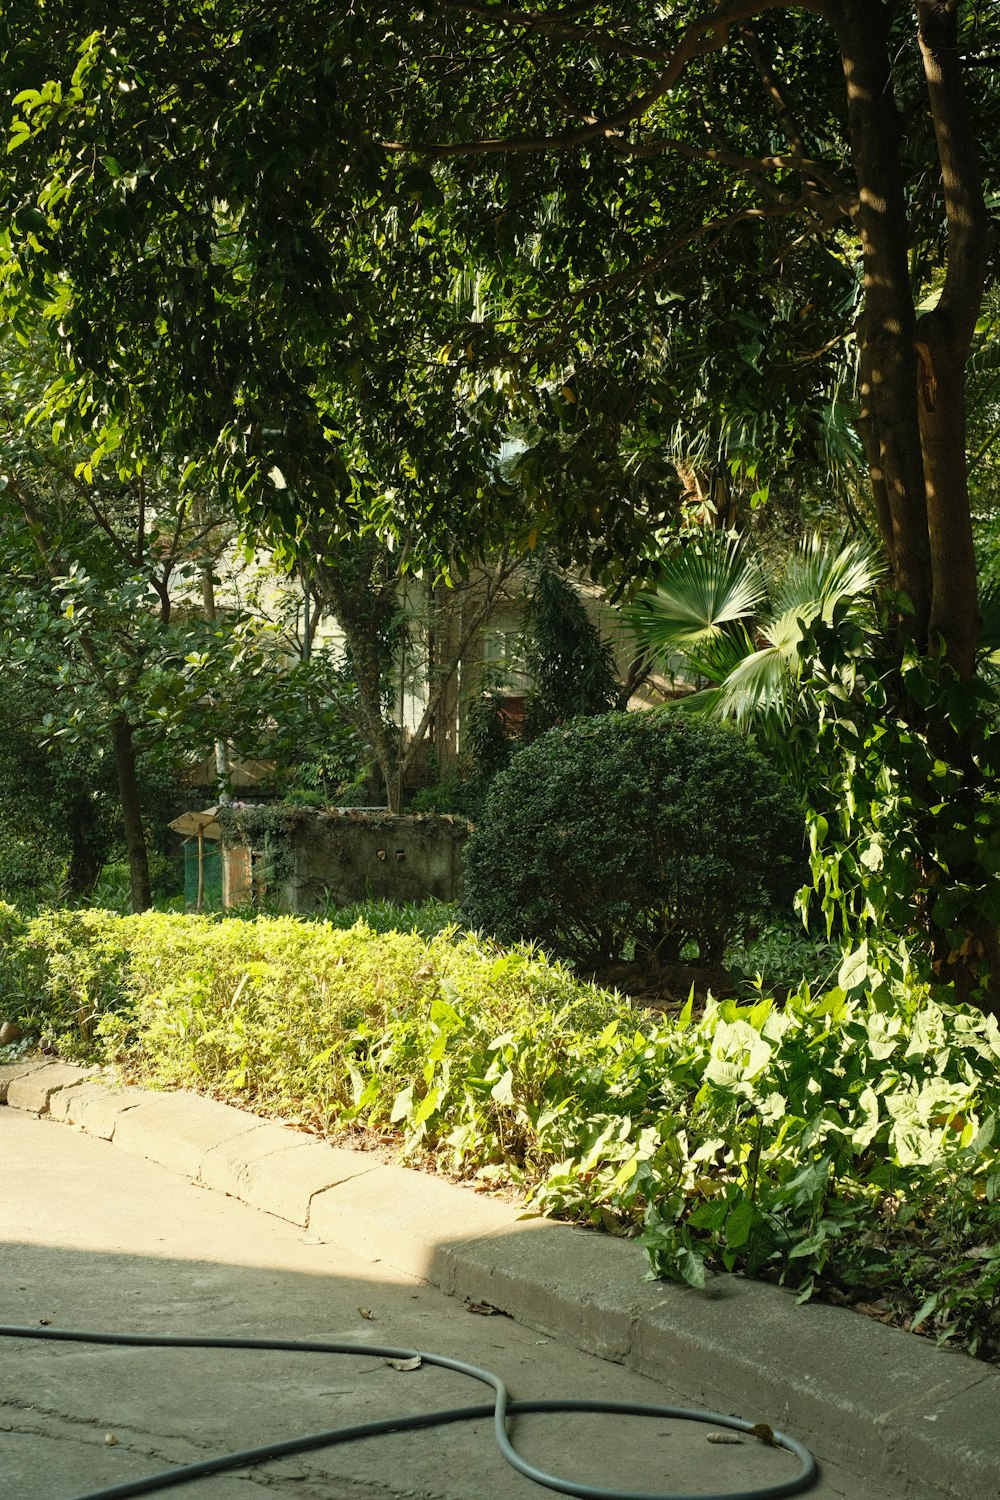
633	834
845	1143
60	972
22	966
325	1025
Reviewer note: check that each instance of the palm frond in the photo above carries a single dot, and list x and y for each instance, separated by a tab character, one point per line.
760	686
839	441
821	575
784	632
705	701
720	655
700	595
706	610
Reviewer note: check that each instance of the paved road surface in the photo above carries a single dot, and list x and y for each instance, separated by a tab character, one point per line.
94	1238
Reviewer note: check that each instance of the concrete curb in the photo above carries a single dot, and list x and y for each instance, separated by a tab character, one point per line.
892	1406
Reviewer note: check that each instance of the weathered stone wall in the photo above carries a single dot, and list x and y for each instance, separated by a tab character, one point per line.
344	856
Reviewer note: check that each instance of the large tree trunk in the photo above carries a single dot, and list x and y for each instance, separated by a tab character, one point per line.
135	838
913	370
944	341
888	373
913	422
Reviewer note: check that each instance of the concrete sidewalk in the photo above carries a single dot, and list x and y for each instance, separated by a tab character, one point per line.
891	1406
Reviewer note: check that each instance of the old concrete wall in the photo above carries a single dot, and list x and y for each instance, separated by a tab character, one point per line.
344	856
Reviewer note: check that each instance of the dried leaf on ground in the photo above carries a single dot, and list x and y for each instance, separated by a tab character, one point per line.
765	1432
485	1309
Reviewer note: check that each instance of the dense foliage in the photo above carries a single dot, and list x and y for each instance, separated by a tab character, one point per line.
659	250
570	667
115	667
846	1145
379	217
903	820
646	831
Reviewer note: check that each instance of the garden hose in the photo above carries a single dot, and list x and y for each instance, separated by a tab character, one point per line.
500	1410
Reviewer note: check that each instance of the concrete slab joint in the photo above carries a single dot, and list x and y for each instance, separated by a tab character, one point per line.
33	1090
178	1130
11	1072
279	1170
95	1106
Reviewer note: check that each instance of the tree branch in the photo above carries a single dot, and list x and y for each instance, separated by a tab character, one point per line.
87	494
507	566
746	166
790	127
555	24
558	91
708	34
840	198
182	515
788	121
140	525
632	275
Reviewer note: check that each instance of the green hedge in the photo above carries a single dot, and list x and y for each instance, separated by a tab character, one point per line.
60	972
846	1143
634	833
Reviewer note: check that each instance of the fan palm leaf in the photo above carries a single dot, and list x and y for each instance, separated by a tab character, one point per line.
782	633
758	688
700	595
818	576
716	658
707	611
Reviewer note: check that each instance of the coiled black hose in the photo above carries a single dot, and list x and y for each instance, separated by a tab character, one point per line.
502	1408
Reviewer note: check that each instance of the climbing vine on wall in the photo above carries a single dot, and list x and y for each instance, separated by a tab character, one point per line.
267	831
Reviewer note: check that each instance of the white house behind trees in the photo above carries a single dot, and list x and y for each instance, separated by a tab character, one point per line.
437	619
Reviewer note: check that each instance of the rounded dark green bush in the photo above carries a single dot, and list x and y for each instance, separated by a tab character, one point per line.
633	834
